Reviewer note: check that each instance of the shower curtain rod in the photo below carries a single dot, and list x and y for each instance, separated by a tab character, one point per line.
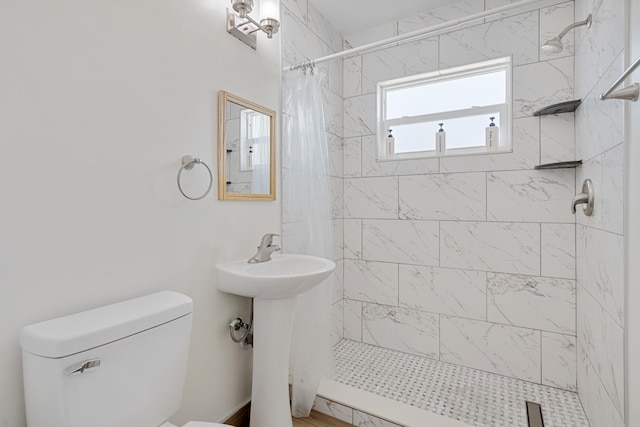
412	34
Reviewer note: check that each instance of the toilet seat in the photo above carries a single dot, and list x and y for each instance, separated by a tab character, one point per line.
204	424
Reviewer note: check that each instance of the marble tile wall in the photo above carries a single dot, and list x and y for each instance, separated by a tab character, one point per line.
473	259
469	260
599	238
306	35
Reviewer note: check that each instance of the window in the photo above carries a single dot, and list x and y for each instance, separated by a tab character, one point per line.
254	139
462	99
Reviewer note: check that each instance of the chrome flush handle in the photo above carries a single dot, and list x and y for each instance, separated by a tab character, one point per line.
586	197
82	367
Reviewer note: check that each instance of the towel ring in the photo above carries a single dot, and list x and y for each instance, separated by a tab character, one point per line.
188	163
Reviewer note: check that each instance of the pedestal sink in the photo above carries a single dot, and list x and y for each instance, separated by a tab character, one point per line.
274	285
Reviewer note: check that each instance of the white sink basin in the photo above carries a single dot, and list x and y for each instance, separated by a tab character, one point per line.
285	276
274	285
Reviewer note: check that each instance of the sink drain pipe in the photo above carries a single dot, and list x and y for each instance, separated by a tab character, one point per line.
246	337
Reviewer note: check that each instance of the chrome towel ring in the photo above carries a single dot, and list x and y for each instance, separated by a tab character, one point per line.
188	163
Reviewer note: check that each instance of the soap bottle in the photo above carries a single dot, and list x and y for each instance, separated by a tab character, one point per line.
492	136
441	140
390	145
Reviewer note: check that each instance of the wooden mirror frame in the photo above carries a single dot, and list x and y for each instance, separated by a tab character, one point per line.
223	194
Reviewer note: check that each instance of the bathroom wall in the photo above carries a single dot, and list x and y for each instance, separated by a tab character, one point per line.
98	102
469	260
306	35
600	238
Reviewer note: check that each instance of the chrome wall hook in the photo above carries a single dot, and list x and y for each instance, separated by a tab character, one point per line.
586	197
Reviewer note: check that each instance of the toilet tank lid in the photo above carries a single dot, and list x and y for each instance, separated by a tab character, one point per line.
88	329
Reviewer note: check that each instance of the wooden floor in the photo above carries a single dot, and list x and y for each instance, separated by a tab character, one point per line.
316	419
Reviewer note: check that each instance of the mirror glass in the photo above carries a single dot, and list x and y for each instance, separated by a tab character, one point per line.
246	150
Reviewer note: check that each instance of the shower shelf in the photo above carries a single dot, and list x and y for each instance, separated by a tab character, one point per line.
561	107
560	165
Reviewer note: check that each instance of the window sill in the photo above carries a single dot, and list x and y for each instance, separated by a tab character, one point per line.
422	155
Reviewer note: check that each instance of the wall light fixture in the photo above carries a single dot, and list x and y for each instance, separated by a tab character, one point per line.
242	26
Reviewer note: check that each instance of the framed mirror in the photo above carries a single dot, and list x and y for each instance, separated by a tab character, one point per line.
246	149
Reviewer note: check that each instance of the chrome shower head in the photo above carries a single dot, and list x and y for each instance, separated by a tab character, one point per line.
555	44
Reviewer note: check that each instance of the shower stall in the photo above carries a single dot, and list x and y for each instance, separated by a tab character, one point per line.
465	287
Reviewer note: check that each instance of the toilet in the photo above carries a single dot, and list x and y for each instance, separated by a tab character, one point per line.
121	365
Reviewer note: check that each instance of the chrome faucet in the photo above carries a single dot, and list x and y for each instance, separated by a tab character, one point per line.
265	249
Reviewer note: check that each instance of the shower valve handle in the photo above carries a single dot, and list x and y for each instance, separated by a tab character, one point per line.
586	197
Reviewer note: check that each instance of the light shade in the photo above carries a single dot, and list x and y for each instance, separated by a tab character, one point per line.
243	7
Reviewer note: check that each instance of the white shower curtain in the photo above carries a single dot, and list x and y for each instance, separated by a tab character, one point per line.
307	228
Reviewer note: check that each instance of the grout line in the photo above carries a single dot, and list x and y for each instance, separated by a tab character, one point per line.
600	229
604	387
439	243
575	274
486	196
362	240
540	247
398	287
474	221
397	182
472	319
439	337
361	321
361	156
486	298
539	36
604	310
509	273
541	360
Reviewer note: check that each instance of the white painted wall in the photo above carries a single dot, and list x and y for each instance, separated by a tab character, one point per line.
98	102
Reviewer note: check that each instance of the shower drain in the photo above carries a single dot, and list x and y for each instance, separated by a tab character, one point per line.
534	414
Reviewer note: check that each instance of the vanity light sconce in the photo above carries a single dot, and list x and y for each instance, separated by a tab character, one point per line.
243	27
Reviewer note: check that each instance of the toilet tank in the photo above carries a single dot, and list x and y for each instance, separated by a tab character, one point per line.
121	365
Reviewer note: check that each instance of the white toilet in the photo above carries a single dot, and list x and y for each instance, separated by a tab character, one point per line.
122	365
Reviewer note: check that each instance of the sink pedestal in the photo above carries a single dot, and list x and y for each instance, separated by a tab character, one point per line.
274	286
273	322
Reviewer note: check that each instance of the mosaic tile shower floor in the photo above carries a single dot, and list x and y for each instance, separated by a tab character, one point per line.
475	397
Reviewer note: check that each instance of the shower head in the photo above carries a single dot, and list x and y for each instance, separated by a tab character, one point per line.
555	44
